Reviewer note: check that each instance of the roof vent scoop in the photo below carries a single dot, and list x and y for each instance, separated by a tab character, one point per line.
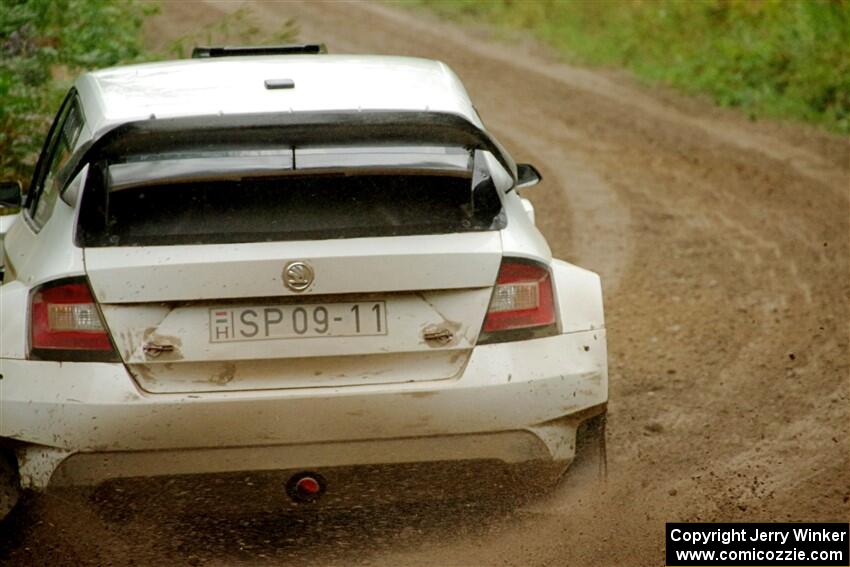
279	84
236	51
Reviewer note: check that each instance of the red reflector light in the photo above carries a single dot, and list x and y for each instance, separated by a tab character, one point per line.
308	485
522	298
65	323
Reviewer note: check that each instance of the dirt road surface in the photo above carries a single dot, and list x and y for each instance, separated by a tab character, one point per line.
723	245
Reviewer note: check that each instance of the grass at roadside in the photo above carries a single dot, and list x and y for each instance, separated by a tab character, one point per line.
776	58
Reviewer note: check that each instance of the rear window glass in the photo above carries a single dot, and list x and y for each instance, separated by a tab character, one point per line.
330	194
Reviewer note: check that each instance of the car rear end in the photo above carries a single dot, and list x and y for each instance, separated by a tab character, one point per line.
269	303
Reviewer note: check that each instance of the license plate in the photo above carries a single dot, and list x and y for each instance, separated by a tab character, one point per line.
296	321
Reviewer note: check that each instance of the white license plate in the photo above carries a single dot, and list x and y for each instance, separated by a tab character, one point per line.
304	320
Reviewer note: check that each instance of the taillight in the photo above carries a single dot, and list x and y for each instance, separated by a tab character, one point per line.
522	305
65	324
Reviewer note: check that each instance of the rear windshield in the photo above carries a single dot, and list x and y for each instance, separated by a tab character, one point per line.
205	200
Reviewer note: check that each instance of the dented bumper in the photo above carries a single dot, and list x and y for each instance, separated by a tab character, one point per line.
81	423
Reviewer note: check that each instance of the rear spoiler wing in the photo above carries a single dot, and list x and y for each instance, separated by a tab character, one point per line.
236	165
315	129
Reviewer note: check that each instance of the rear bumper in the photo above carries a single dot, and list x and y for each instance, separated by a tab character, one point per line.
81	423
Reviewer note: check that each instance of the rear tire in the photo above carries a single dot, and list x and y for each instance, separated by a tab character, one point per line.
10	486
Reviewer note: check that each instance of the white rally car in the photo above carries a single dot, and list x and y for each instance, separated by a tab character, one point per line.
275	259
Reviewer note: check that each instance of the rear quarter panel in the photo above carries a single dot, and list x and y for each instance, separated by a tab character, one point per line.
578	293
37	257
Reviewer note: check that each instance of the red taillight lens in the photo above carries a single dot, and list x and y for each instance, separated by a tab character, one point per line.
522	300
65	324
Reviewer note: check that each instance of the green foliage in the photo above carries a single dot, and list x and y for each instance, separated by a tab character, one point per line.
44	44
780	58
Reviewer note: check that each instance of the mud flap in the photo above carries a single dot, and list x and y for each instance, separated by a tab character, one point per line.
10	486
591	445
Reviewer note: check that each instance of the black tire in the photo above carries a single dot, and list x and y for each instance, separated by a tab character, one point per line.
10	486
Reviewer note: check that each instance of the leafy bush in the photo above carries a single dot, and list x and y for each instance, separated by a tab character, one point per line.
781	58
43	45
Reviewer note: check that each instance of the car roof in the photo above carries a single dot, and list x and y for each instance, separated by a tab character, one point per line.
236	85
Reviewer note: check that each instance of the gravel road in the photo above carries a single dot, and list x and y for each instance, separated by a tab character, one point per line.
723	245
